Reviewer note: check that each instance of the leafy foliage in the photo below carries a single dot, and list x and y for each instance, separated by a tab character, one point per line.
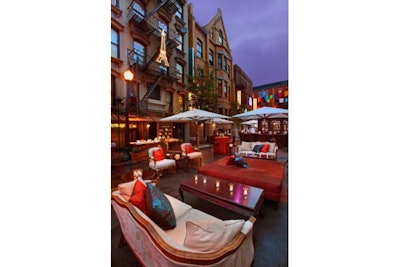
203	92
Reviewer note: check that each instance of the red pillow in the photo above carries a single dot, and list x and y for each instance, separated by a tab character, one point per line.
138	196
231	160
189	149
264	149
158	154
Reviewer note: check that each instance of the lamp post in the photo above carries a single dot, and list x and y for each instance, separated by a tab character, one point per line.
128	76
119	102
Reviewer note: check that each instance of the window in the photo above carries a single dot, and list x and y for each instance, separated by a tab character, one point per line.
219	87
179	10
139	11
115	3
220	38
114	43
225	64
163	69
162	26
179	72
139	53
225	92
156	93
179	41
211	57
181	103
199	52
220	61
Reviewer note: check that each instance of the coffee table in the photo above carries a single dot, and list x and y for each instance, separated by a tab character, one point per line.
234	200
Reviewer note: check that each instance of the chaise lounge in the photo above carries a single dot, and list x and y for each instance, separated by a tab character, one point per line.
192	242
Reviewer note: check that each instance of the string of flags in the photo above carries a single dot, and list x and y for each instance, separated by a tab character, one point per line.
281	96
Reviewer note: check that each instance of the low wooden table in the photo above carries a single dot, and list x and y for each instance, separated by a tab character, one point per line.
249	205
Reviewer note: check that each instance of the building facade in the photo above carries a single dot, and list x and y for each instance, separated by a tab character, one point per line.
243	89
158	88
272	95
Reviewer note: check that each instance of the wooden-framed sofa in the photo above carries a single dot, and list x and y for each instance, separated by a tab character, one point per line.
266	174
154	246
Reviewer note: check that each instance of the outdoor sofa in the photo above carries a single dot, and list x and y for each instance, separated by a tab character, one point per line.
255	150
155	246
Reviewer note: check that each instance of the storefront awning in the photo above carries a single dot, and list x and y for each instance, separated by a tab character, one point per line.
132	118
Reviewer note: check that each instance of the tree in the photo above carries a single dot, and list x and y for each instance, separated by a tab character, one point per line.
203	92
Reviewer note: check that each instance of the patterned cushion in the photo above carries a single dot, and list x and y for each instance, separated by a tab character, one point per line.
126	189
159	208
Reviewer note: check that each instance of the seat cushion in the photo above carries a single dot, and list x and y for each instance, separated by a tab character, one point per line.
194	155
162	164
159	208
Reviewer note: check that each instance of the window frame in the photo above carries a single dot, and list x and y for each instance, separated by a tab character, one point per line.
138	54
199	44
220	38
211	57
115	45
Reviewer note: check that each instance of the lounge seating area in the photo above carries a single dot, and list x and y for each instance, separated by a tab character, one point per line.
272	229
262	150
259	173
163	231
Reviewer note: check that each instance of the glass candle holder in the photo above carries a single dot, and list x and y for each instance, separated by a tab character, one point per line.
231	187
217	184
196	177
245	190
204	180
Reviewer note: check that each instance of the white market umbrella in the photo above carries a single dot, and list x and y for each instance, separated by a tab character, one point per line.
261	113
195	115
221	121
250	122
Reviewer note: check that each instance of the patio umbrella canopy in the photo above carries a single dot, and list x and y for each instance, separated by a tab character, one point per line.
195	115
261	113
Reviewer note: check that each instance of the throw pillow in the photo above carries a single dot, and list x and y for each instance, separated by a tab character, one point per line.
138	195
159	208
246	146
257	148
189	149
230	160
271	147
205	236
264	149
126	189
240	161
158	154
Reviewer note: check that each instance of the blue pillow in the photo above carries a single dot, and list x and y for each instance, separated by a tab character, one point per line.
257	148
240	162
159	208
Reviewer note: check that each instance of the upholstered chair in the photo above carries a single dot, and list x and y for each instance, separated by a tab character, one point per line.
188	151
158	162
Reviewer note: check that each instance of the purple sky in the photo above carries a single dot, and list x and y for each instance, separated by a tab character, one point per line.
257	33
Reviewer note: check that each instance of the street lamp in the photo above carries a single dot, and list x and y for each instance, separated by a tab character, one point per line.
128	76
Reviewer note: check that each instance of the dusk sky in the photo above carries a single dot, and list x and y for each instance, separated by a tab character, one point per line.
257	33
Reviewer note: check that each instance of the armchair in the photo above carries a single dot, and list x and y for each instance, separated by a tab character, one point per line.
158	162
188	151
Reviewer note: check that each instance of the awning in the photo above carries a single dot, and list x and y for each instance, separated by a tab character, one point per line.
132	118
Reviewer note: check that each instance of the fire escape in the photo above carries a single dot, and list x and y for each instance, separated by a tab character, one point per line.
148	25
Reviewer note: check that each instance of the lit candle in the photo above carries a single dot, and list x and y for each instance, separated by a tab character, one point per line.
196	177
217	184
204	180
231	187
245	189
